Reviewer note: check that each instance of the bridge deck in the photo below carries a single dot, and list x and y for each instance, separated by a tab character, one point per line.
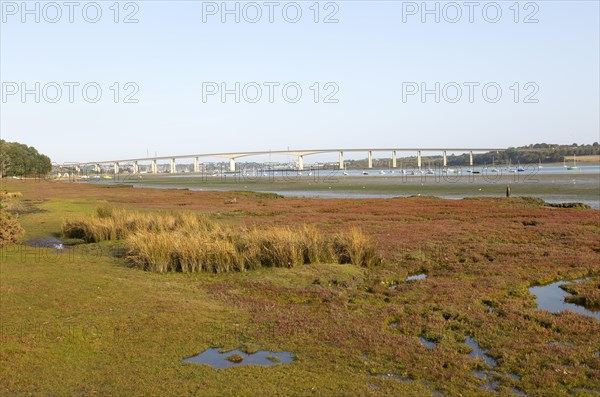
307	152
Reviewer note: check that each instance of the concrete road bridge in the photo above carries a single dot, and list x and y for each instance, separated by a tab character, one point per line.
300	154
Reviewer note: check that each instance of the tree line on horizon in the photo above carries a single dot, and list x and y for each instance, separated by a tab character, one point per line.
547	153
17	159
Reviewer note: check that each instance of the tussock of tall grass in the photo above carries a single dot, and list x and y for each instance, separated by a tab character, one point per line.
356	247
224	250
10	229
9	195
182	252
189	243
117	224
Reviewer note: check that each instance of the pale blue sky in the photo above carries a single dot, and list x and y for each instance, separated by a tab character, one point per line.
369	53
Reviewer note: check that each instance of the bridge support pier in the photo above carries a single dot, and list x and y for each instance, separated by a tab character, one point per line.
154	167
97	168
445	159
78	169
394	161
370	159
136	167
116	168
419	159
232	164
471	159
196	165
341	160
173	169
300	163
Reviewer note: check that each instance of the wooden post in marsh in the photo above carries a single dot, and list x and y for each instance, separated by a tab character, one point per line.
507	190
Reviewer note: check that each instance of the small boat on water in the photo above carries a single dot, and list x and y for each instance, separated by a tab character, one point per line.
429	170
574	166
494	169
510	169
365	173
382	172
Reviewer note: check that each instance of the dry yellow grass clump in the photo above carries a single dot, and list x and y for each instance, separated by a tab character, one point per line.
10	195
117	224
190	242
10	229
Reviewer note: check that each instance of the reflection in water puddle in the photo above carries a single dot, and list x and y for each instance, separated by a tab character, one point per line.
586	390
479	352
490	383
514	377
426	343
216	359
552	298
394	377
45	242
421	276
490	377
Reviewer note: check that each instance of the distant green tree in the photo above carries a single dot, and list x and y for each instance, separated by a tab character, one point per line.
546	153
22	160
4	159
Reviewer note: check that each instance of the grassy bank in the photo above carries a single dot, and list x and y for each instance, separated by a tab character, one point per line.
83	322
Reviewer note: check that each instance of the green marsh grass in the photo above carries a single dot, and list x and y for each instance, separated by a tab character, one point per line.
122	331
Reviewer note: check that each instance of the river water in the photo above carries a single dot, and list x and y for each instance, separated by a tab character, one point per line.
554	184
